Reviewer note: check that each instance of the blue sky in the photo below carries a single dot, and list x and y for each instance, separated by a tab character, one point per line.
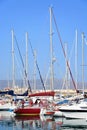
32	16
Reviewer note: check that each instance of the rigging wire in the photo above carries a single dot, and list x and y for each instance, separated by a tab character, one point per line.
37	67
22	63
64	53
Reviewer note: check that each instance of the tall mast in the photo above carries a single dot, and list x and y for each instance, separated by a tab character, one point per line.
34	70
27	59
13	67
66	77
51	51
67	80
76	44
83	61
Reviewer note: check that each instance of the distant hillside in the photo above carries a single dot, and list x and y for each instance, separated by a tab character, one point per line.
58	84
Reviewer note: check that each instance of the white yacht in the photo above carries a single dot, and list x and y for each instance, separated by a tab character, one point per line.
77	109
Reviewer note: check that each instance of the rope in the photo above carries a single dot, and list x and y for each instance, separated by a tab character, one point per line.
37	67
22	63
64	53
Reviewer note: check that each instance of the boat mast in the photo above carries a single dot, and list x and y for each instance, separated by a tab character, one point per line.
83	62
66	77
51	51
76	44
26	60
13	67
34	70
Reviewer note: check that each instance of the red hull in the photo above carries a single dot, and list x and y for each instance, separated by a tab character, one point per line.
49	93
49	113
27	111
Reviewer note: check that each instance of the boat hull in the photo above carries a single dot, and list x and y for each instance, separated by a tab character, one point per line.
58	114
75	110
7	107
27	111
75	114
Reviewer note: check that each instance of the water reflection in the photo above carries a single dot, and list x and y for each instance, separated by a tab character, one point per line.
28	121
8	120
37	122
72	124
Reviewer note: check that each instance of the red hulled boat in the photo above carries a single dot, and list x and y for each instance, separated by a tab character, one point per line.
28	111
35	108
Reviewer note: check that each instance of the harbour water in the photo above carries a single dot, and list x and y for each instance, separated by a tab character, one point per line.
10	122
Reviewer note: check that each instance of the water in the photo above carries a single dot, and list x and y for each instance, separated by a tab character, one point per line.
9	122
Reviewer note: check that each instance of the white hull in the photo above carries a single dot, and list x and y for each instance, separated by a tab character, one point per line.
5	115
78	110
75	115
7	107
58	114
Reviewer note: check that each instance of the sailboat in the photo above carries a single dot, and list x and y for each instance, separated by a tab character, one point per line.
37	110
79	108
14	97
